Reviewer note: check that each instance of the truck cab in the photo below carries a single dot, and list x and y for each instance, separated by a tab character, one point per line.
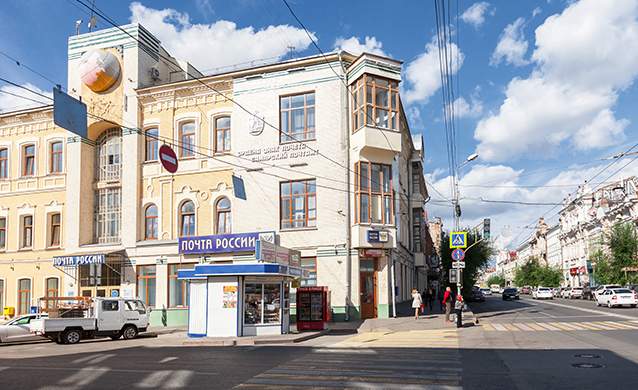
113	314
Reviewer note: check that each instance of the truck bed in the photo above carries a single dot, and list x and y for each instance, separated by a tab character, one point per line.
52	325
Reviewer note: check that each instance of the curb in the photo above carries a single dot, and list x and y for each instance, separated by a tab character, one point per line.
239	342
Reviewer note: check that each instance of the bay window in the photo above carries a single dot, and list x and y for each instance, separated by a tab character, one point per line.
373	192
375	103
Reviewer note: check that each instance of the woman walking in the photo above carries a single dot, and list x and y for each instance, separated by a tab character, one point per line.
416	302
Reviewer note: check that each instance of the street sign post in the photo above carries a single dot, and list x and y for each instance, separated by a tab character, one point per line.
458	264
168	158
458	240
458	254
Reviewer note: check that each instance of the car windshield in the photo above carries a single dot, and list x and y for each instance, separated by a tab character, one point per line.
543	289
622	291
510	290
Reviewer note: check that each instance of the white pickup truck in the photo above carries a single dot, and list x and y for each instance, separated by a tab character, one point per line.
106	317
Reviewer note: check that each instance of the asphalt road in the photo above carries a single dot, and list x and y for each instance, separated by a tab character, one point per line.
524	344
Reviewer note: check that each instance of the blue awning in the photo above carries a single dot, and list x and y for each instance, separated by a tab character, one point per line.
202	271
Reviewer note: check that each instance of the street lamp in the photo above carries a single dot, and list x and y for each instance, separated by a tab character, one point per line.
457	212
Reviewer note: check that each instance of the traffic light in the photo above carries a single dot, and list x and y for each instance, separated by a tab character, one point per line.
486	228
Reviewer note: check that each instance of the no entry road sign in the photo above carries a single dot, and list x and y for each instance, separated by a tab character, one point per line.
458	254
168	158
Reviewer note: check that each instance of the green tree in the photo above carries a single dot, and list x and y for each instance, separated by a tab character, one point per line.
622	243
476	259
496	279
534	274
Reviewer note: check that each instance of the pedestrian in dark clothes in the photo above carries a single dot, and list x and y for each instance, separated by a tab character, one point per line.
429	297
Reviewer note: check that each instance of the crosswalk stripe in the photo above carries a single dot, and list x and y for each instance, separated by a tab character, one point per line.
575	325
523	327
488	327
535	326
561	326
511	327
499	327
620	325
84	376
588	326
547	326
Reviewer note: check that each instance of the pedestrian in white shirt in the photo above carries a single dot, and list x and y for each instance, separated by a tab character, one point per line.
416	302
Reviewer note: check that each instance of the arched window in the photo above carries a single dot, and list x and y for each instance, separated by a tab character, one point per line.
109	154
187	219
108	194
150	222
222	212
222	134
187	139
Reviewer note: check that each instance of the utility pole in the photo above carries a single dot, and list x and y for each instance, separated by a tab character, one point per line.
457	214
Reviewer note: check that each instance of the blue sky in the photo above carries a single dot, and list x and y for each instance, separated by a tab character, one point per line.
547	86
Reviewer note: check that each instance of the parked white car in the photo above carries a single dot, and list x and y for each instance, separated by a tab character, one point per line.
600	289
486	291
542	293
19	329
575	293
617	297
565	292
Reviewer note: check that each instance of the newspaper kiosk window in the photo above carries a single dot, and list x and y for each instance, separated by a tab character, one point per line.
262	303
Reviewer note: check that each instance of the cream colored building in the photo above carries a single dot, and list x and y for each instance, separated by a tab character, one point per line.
358	220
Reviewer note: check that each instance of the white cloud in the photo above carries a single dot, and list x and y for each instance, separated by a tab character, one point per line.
475	14
536	11
217	44
584	58
423	75
503	183
10	102
354	46
512	45
464	109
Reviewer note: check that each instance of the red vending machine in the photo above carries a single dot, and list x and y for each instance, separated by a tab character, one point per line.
313	308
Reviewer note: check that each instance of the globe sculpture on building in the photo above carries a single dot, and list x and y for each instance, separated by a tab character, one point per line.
99	70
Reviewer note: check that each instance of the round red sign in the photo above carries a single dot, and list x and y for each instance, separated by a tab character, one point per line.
168	158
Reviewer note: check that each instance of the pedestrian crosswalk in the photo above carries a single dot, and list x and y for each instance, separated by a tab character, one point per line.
560	326
381	360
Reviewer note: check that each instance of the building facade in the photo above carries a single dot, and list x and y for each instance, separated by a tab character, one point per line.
317	150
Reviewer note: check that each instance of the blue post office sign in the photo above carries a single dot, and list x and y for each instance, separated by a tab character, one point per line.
74	261
378	236
222	243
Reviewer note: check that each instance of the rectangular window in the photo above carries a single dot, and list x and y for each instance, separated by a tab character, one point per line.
375	103
100	274
298	204
107	215
297	117
3	233
374	194
55	164
24	296
52	290
309	264
222	134
2	293
417	173
262	303
146	282
27	231
417	221
28	160
178	291
4	163
187	140
55	230
152	147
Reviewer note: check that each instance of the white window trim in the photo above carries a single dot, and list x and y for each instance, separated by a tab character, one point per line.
212	115
49	143
21	147
25	210
178	121
8	146
53	208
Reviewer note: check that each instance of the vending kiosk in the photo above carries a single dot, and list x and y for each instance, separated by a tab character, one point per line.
313	308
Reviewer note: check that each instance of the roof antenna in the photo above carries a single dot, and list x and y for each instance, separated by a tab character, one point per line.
92	19
78	24
291	50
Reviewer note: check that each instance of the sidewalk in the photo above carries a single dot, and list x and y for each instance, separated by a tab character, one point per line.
404	321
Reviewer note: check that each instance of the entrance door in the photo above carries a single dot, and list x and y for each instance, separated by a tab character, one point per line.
368	288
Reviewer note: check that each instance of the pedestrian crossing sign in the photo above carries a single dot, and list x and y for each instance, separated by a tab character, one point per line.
458	240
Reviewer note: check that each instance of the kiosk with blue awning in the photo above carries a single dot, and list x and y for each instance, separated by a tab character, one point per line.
242	298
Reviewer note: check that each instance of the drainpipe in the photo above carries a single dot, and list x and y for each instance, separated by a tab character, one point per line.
345	120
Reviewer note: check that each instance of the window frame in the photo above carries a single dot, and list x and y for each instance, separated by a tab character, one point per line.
228	216
226	148
184	153
291	197
184	285
56	157
25	160
304	281
23	231
52	225
369	193
4	163
417	241
155	219
19	296
151	143
181	218
4	230
146	277
47	290
359	112
306	137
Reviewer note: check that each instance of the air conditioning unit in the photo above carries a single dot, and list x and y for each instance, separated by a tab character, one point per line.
155	74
